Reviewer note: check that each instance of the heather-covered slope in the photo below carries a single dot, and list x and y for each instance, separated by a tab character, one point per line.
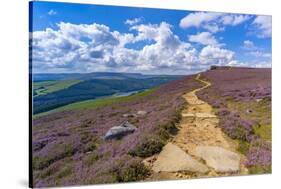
69	149
69	146
242	99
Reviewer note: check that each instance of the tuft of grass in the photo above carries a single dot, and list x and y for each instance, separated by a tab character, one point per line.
90	146
168	129
134	172
148	147
39	162
49	171
259	169
91	159
64	172
243	147
264	131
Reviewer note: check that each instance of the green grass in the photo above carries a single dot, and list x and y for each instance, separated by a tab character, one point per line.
243	147
261	111
259	170
148	148
264	131
45	87
91	104
64	172
91	159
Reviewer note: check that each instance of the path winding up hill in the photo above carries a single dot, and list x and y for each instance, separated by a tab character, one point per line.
200	148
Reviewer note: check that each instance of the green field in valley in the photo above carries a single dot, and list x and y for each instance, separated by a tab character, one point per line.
45	87
95	103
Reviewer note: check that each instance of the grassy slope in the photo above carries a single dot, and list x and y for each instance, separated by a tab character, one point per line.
261	115
45	87
91	104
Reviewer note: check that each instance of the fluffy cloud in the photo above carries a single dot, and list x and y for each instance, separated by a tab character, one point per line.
161	34
213	22
76	47
94	47
234	20
263	26
197	19
216	56
204	38
248	45
52	12
260	54
133	21
253	50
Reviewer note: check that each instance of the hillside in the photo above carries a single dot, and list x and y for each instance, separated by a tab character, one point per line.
77	137
242	100
239	97
51	91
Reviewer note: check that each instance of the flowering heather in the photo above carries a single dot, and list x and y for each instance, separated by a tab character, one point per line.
69	149
235	127
259	156
242	99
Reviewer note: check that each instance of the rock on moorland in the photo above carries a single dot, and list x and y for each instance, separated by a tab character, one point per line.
118	132
142	113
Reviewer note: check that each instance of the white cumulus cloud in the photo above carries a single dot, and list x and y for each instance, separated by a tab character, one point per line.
197	19
213	22
52	12
133	21
216	56
204	38
95	47
234	20
248	45
263	26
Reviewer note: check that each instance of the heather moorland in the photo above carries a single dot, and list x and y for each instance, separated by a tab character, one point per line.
69	146
132	94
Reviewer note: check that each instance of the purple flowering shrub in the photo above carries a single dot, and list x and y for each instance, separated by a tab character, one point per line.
259	155
76	138
236	128
246	88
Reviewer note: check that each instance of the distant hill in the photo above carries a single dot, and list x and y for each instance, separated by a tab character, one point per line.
95	75
62	89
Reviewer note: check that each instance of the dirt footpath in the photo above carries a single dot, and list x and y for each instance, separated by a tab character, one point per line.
200	148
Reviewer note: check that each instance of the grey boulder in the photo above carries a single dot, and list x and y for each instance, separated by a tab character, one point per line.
142	113
118	132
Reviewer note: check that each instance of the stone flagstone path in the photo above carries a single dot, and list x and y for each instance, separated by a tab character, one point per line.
200	148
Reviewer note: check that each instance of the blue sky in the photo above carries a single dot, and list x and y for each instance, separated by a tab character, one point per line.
87	38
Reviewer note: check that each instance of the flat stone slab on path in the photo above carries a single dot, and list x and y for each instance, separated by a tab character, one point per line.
205	115
199	115
222	160
173	159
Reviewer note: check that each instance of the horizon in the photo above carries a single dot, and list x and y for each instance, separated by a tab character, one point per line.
82	38
237	67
